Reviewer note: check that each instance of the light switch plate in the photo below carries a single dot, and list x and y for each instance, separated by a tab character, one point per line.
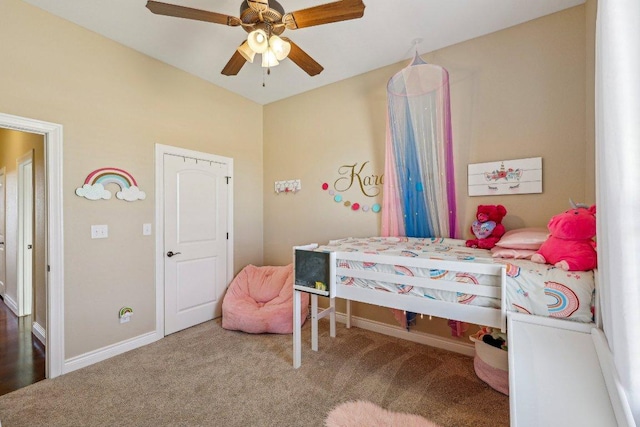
146	229
99	231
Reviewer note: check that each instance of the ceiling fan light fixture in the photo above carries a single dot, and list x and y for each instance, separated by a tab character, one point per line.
281	48
257	40
246	51
269	59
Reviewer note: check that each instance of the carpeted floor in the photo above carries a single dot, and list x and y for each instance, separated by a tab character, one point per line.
207	376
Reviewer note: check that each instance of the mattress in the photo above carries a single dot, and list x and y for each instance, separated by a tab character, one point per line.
538	289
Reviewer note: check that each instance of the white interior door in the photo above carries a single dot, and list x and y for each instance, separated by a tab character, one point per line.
25	234
195	240
3	259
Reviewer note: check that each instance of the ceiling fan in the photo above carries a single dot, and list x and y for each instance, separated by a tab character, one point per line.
265	21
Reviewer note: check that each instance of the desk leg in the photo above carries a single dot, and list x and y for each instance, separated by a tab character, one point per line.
314	322
332	318
297	330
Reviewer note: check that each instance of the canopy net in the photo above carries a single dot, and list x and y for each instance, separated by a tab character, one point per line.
419	188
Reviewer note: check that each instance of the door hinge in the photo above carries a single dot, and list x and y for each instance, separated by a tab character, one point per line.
48	268
228	178
227	236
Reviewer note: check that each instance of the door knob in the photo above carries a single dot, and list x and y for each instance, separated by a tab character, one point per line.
170	254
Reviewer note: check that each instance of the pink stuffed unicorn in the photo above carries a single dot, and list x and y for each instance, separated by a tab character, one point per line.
570	245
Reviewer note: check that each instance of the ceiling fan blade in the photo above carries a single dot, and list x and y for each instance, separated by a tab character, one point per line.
188	13
324	14
303	60
234	65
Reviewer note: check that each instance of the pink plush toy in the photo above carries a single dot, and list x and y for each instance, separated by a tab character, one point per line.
570	245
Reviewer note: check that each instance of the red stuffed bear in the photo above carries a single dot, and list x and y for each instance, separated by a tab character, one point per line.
570	245
487	227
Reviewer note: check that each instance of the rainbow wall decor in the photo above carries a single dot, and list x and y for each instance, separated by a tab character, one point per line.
96	181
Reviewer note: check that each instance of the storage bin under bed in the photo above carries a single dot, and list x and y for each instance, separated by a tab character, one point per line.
491	365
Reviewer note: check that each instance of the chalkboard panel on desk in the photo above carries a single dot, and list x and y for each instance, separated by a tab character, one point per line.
312	272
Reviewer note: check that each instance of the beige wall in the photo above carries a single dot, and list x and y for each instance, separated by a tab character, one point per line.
516	93
115	104
590	100
13	145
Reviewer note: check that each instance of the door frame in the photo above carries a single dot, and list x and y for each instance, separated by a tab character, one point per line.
160	151
54	234
3	217
25	220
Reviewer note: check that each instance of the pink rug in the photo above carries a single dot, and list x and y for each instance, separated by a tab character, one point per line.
366	414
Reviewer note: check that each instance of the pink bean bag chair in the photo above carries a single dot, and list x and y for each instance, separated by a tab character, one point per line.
260	299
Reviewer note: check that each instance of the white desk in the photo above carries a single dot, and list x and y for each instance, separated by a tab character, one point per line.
557	376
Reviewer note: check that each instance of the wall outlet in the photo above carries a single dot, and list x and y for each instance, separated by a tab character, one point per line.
99	231
125	314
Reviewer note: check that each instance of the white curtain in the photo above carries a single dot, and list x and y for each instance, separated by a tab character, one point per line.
618	185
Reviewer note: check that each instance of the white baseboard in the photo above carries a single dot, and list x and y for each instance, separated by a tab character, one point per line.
448	344
39	332
36	328
104	353
11	303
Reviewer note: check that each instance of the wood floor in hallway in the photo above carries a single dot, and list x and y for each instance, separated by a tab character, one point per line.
22	356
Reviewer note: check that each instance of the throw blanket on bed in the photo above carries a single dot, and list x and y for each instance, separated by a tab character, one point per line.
532	288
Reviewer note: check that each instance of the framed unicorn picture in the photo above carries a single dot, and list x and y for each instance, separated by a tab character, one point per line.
520	176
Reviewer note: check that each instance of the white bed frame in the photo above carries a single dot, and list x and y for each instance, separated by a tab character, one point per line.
463	312
560	372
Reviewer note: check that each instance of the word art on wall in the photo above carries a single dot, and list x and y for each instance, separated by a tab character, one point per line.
356	177
95	183
521	176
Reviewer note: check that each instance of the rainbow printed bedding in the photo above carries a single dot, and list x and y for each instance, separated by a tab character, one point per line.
532	288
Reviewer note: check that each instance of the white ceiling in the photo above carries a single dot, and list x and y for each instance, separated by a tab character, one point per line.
384	36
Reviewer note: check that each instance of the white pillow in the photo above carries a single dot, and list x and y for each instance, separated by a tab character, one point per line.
498	252
524	238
